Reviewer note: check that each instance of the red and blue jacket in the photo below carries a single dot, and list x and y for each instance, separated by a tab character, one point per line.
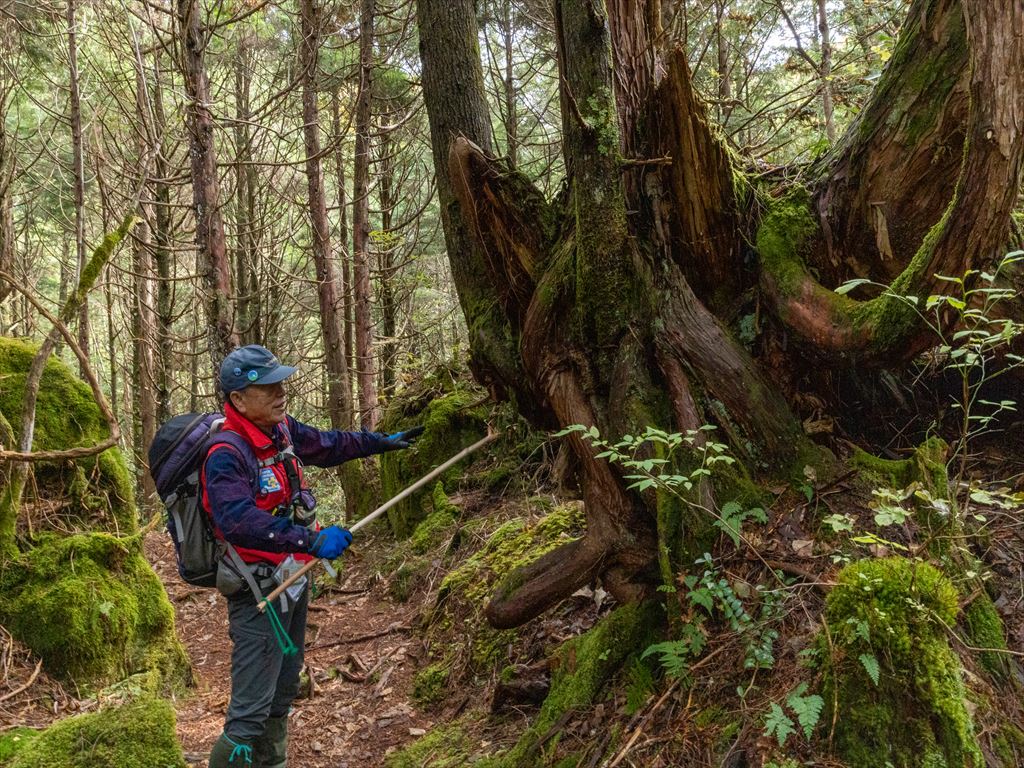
241	493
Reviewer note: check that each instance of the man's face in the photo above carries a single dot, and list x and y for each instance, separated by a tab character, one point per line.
262	404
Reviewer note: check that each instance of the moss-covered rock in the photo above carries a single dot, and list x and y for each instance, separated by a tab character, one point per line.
14	741
93	609
445	746
136	735
97	491
437	525
454	418
887	616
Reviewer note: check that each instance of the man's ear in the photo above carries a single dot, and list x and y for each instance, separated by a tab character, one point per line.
238	400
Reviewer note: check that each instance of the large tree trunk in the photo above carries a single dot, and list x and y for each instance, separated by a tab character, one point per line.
210	241
608	307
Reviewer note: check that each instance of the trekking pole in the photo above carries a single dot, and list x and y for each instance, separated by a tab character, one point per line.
381	510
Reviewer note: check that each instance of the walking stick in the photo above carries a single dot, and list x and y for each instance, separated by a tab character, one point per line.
382	509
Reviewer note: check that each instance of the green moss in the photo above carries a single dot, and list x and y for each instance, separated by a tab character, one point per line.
437	526
452	421
583	667
985	630
893	610
785	231
1008	746
14	741
516	543
100	488
430	684
445	746
136	735
91	607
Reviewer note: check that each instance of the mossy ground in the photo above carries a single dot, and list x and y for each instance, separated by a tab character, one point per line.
139	734
97	491
91	607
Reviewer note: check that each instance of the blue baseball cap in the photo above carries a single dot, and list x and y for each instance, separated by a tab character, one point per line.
251	365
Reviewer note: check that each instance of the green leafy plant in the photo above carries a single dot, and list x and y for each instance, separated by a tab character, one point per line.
970	335
805	707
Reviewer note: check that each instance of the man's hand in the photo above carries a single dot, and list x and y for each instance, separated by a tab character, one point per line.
400	440
330	542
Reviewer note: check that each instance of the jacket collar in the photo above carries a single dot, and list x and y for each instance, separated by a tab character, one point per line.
253	435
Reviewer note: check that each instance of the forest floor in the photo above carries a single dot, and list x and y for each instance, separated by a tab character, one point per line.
364	648
361	655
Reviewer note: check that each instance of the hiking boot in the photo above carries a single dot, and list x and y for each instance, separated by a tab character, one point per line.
270	750
228	753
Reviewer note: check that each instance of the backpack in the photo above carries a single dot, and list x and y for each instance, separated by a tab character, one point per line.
176	457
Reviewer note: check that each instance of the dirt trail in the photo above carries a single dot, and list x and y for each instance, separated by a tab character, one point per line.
361	655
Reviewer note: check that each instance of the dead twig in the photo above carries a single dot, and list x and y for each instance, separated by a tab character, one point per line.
26	685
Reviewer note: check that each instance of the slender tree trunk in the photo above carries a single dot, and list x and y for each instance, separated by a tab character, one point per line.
825	70
245	200
385	266
142	311
210	240
339	404
365	364
78	168
343	234
8	237
162	253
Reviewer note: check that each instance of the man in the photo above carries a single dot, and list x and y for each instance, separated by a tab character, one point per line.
260	504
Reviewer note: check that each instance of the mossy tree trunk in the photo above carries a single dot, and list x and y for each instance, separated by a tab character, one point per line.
608	306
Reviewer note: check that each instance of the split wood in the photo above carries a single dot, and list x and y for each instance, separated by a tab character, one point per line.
382	509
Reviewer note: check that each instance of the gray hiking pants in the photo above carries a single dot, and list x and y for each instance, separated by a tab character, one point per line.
264	681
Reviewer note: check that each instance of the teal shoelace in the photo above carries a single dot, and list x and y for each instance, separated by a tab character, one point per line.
239	749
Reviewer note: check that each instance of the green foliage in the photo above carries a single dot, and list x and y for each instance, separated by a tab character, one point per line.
136	735
971	343
714	594
806	708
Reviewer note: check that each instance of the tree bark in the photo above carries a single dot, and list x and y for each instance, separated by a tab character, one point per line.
346	268
246	255
362	290
339	404
77	169
162	252
210	240
609	306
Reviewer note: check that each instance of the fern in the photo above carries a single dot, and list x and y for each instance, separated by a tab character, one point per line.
777	723
806	708
871	665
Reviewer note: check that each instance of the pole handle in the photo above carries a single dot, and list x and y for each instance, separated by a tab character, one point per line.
382	509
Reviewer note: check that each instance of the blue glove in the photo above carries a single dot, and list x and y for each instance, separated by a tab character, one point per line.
399	440
330	542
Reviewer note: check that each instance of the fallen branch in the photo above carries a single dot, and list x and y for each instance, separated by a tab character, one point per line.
26	685
392	628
